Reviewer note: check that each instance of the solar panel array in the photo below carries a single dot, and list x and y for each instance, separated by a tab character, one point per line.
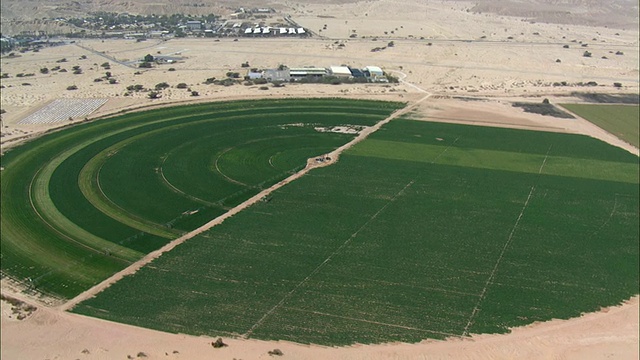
62	110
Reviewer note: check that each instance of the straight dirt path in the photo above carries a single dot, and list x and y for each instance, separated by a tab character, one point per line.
311	164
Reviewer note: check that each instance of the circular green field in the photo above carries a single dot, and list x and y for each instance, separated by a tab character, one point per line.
82	203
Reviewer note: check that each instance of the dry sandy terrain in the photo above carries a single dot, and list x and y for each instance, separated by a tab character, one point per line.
458	63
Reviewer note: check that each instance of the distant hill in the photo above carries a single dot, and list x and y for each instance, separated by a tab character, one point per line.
613	13
18	15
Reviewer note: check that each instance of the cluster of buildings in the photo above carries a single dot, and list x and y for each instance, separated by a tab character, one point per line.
368	73
267	30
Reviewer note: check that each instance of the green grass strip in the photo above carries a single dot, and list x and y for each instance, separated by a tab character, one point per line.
620	120
499	160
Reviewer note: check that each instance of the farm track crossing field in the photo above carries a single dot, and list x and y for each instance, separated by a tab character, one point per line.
620	120
424	230
82	203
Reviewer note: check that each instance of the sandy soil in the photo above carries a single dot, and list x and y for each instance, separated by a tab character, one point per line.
471	55
51	334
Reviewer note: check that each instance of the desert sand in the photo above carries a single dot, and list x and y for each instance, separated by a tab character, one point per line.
494	59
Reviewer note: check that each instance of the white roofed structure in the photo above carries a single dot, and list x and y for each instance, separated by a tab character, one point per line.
374	70
342	71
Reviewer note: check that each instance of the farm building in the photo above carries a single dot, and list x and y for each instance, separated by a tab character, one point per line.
276	75
307	72
340	71
374	71
194	25
357	73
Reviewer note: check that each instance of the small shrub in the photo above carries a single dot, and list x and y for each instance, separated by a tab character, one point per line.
195	93
172	69
44	70
162	86
181	86
276	352
72	87
565	46
263	88
218	344
113	81
617	84
586	54
4	76
154	95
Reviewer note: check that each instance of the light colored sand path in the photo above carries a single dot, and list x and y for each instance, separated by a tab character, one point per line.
311	164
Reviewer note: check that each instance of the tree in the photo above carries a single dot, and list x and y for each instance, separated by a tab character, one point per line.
44	70
182	86
245	64
148	58
195	93
145	64
162	85
586	54
154	95
391	44
107	74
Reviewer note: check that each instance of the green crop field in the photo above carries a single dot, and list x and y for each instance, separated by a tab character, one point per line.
424	230
620	120
82	203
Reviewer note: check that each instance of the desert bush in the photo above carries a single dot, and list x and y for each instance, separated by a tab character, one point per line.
181	86
72	87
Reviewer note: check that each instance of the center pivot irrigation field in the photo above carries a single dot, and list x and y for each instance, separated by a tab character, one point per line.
82	203
424	230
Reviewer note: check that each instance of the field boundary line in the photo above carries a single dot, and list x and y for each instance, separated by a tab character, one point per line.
373	322
311	164
319	267
490	280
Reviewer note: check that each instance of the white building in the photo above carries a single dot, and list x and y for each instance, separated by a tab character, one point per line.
340	71
374	71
